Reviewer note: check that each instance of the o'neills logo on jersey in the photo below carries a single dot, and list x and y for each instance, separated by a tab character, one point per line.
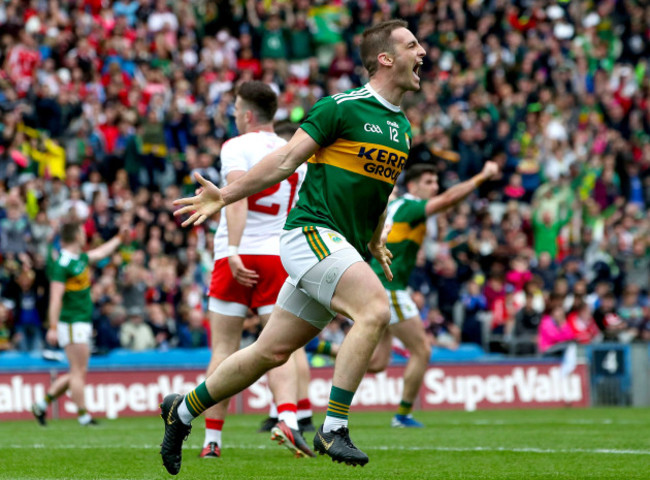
383	163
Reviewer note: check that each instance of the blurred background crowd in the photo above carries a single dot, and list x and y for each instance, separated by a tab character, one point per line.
107	107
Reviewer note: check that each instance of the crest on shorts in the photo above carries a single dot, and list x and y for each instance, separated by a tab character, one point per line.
334	237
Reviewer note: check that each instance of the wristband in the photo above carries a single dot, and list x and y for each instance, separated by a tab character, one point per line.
232	250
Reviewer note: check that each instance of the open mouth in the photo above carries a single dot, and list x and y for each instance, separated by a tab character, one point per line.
416	70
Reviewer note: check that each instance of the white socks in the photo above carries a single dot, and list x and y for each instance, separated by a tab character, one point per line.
334	423
184	413
212	435
85	419
289	418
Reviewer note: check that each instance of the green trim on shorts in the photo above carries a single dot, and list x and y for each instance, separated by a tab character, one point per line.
316	243
395	302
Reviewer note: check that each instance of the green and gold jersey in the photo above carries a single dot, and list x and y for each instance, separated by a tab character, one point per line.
408	217
364	144
73	271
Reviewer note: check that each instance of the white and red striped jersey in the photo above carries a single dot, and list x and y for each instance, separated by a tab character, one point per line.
268	209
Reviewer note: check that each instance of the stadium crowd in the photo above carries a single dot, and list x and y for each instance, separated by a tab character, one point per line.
107	107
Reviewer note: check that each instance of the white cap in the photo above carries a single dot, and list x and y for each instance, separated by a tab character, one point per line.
33	25
591	20
563	31
64	75
554	12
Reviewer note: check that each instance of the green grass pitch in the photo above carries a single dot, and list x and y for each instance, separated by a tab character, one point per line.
599	443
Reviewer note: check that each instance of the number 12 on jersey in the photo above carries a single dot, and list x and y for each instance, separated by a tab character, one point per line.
393	134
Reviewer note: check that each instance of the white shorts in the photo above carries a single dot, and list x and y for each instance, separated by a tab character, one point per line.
233	309
302	248
76	332
402	306
315	259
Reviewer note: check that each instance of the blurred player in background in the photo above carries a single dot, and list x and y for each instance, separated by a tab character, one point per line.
247	271
70	314
406	220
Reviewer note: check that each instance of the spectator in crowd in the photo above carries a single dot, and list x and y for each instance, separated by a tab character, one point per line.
582	323
135	334
28	320
554	332
107	326
5	331
612	326
194	334
105	107
527	320
162	326
474	302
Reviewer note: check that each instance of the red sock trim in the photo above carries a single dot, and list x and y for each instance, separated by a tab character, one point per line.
287	407
213	424
304	404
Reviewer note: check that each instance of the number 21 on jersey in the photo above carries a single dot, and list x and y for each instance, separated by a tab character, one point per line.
273	208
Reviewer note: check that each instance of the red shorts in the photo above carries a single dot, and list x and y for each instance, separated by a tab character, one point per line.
265	292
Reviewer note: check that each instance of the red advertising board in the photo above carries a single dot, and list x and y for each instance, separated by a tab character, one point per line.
472	386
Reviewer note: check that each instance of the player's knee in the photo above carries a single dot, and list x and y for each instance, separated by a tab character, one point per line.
276	356
378	363
380	315
424	350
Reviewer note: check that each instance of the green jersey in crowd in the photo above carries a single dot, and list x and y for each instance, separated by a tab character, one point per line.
364	143
73	271
408	218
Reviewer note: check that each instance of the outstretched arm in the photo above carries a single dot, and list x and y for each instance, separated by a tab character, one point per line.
104	250
272	169
458	192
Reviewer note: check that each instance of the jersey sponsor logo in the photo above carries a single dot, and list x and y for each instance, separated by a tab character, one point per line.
372	128
373	160
392	124
393	162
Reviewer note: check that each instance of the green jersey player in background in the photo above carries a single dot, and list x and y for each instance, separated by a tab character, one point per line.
406	218
356	144
70	314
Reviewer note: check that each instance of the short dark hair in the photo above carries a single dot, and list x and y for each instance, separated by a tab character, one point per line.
416	171
260	98
286	129
69	232
376	40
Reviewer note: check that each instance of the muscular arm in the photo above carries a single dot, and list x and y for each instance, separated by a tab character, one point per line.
454	195
273	168
103	251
